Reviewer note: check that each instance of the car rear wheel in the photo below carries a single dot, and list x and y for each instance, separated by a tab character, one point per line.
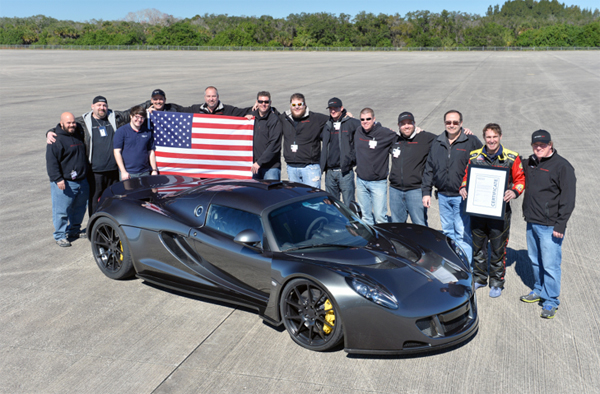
110	249
310	315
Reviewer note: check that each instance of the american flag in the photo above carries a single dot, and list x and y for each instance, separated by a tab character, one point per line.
203	146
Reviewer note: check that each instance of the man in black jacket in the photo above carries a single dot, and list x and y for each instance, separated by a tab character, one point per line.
337	154
302	141
266	151
547	206
213	106
445	169
409	154
99	125
372	143
68	169
158	102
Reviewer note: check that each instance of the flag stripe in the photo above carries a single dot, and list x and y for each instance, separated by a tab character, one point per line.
204	146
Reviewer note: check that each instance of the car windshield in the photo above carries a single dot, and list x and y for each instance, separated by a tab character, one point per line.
320	221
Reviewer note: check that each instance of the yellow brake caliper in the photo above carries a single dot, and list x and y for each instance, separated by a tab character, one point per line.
121	246
329	317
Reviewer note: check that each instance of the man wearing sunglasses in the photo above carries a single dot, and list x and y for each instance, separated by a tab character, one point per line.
337	155
372	143
445	169
302	141
266	149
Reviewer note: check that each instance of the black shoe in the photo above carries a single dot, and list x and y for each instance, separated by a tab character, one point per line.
81	234
63	243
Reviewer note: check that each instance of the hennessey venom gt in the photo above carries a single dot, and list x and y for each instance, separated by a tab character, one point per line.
294	253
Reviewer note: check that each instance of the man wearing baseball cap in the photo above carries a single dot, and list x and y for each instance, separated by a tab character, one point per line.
409	155
158	102
99	126
337	153
547	206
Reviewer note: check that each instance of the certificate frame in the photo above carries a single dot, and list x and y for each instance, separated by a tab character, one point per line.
485	191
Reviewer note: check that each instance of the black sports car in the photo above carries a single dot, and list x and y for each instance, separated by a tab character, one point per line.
295	254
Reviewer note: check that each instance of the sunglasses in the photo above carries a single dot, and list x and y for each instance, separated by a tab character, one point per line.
365	119
263	101
297	105
454	122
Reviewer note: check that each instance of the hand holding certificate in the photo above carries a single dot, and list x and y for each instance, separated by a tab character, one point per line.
486	187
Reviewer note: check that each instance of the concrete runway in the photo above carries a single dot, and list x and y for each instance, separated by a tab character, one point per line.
66	328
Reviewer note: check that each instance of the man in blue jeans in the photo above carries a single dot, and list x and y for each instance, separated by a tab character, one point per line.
337	154
302	141
445	169
547	206
67	166
266	151
409	155
372	144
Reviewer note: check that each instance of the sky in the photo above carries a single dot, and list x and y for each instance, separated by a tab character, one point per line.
81	10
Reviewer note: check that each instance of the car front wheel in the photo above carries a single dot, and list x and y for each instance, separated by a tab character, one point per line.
310	315
110	249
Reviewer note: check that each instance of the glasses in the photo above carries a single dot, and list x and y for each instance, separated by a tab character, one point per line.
263	101
138	117
365	119
454	122
297	105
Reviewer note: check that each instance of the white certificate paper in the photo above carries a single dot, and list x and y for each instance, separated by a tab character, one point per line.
485	191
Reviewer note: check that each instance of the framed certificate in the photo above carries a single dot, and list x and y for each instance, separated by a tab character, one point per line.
485	191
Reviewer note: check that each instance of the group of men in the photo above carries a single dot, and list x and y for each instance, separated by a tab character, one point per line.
88	154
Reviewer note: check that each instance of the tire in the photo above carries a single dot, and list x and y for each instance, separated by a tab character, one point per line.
307	311
111	250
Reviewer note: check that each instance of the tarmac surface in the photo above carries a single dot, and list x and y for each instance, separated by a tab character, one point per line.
66	328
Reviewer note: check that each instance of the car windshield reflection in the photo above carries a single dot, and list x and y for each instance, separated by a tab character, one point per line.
318	222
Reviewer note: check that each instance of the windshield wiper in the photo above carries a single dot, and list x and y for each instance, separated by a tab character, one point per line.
319	246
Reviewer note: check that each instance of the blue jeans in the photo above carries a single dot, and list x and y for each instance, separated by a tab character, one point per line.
455	223
403	203
371	197
68	207
268	173
336	183
545	253
310	175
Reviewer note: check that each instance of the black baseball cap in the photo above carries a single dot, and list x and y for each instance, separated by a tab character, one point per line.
99	99
157	92
404	116
541	136
334	102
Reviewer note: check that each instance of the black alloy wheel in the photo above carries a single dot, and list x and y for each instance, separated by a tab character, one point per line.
110	249
310	315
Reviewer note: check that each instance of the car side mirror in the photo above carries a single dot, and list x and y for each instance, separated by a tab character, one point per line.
248	238
354	207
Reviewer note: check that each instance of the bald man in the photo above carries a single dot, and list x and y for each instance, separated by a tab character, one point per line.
213	106
68	168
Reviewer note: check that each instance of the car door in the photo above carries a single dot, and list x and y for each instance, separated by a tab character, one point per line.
239	265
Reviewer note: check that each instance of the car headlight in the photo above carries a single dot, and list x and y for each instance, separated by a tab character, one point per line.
459	252
374	293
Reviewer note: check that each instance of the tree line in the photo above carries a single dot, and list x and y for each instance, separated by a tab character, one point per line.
521	23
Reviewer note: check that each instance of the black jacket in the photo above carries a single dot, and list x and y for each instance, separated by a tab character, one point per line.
372	164
345	137
169	107
409	156
66	158
222	109
446	164
266	149
550	194
306	134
